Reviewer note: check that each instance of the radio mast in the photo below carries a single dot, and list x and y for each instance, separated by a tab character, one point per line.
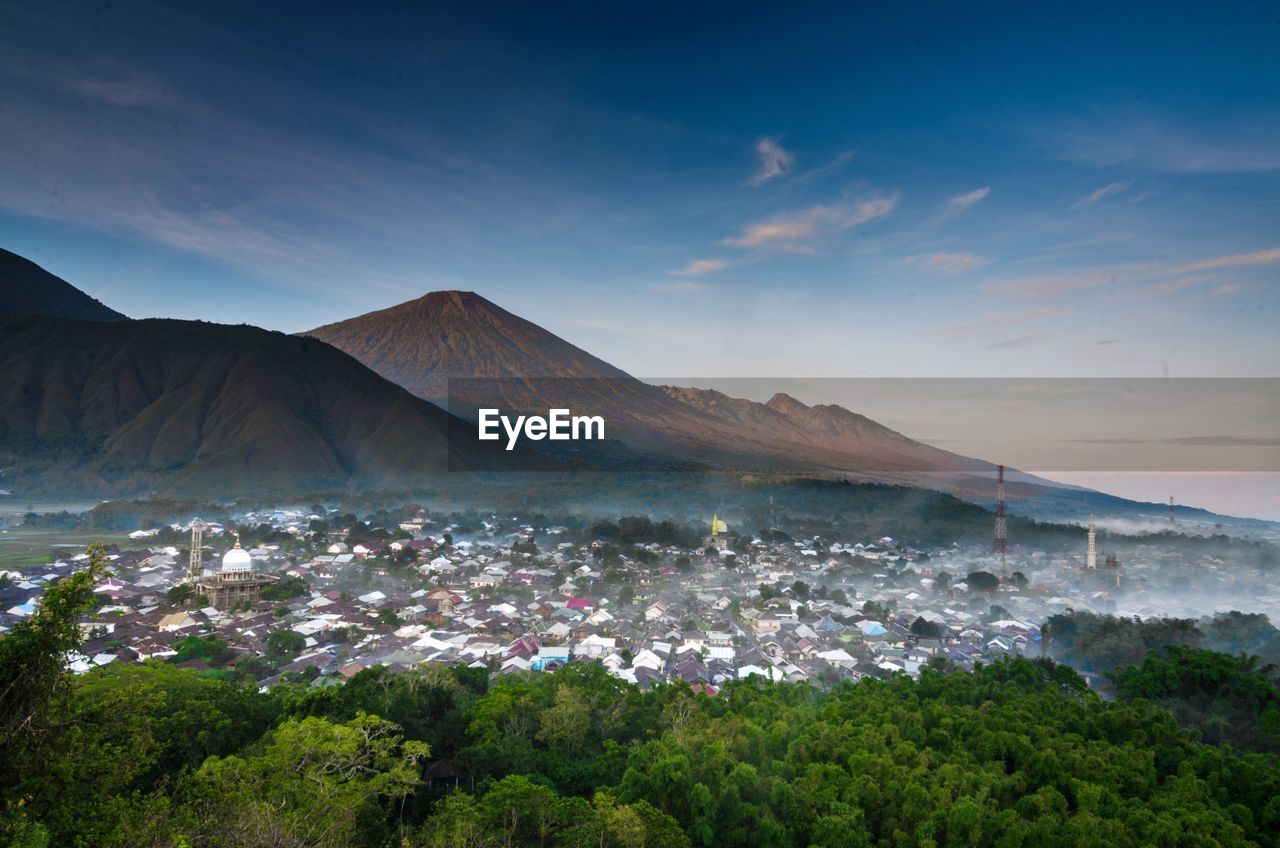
1002	525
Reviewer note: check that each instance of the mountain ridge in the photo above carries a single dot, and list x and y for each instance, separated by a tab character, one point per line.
164	406
192	406
830	428
28	290
460	347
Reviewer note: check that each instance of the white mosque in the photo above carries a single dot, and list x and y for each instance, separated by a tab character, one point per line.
234	583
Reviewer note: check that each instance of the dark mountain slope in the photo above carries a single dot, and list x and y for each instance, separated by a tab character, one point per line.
196	407
26	289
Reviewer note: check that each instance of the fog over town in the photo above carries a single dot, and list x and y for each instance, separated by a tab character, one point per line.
705	602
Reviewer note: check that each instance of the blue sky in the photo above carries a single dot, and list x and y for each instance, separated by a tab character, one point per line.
728	190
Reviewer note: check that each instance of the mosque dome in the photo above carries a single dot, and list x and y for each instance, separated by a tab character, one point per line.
237	559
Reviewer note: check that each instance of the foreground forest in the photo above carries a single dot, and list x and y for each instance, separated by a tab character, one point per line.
1014	754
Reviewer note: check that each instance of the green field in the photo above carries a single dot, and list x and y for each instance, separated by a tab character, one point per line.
22	548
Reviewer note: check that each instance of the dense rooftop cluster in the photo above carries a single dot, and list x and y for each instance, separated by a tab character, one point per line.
651	602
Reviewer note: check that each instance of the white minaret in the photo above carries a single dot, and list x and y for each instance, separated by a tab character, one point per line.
1092	562
195	565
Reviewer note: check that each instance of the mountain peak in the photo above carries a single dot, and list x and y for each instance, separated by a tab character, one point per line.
423	343
786	404
455	297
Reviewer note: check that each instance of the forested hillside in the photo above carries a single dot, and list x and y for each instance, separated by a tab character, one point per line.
1015	754
1101	643
1230	700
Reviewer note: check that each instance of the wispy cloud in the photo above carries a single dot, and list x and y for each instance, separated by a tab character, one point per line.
1225	441
1245	145
1002	321
122	92
1226	289
1016	341
108	81
679	287
824	169
1108	190
1238	260
1216	441
699	267
251	196
1050	285
964	202
950	263
775	161
791	228
1160	278
1175	285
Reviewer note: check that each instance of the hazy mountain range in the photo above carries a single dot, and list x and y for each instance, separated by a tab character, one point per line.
459	349
95	402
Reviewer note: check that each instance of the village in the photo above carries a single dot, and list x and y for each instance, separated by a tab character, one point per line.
318	597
